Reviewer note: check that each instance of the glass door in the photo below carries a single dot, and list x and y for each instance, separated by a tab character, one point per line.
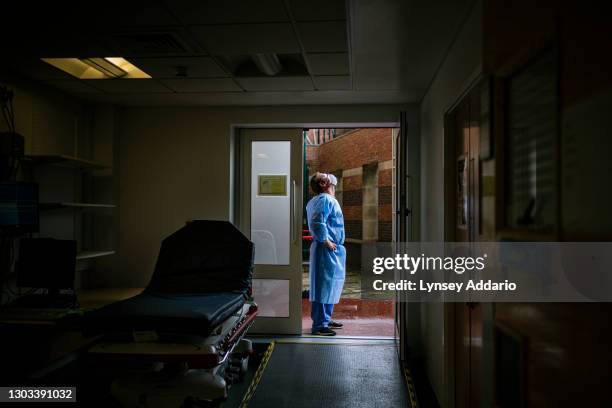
270	213
402	214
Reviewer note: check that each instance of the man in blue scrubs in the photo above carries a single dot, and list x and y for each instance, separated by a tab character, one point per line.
327	253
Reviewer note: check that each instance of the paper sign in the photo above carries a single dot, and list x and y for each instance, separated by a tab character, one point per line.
272	185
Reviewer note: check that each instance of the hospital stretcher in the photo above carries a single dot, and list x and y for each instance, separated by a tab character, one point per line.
187	327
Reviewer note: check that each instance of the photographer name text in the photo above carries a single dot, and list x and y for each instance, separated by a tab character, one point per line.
430	287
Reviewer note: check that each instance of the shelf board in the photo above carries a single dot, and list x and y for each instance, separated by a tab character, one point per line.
93	254
63	160
106	172
56	206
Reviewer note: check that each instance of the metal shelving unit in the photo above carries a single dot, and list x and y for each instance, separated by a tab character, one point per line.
65	161
93	254
83	206
84	172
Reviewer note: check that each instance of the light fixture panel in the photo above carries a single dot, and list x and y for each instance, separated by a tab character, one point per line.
98	68
106	67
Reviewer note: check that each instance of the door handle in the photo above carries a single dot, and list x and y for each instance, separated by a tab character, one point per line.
294	229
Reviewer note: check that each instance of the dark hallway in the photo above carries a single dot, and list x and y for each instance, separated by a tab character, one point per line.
155	161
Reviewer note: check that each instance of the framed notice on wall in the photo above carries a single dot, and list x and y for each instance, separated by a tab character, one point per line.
272	184
486	139
462	192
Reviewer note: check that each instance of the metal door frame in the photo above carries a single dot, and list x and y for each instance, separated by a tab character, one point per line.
292	272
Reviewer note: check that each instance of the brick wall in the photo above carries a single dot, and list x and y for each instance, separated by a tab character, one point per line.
385	204
356	148
348	154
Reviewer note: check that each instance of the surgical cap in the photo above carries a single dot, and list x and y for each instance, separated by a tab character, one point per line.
332	179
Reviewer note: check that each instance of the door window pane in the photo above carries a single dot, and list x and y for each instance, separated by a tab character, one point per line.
272	297
271	201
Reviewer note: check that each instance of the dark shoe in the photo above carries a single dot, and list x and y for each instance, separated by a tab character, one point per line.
325	331
335	325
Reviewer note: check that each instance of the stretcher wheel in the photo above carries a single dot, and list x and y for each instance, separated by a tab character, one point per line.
244	366
238	367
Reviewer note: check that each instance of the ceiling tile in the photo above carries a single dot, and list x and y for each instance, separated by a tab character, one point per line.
328	36
127	85
329	64
197	67
318	10
333	82
129	14
73	86
220	12
247	38
276	83
168	42
202	85
61	44
36	69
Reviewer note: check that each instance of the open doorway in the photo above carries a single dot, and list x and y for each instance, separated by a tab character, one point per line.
363	161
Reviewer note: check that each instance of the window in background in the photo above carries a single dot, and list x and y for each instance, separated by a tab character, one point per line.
532	146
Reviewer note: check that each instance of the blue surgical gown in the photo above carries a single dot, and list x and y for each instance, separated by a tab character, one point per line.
327	267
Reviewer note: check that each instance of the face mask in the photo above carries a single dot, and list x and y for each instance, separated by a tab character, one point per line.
332	179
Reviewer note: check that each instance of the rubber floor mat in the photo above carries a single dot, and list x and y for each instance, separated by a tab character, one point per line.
330	375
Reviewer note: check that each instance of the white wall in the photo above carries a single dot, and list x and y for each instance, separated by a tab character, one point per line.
175	165
461	64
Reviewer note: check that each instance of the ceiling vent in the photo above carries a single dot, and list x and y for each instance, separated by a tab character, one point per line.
261	65
150	44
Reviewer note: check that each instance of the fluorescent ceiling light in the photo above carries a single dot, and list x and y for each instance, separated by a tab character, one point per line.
97	68
267	63
106	67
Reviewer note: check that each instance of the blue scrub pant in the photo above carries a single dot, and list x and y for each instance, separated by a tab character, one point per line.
321	314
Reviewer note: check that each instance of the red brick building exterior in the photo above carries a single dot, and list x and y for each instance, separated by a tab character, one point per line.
362	159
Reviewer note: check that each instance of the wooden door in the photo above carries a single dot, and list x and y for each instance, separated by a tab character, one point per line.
463	137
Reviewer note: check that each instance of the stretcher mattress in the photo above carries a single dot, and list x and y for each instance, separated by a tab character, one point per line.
202	276
204	257
183	313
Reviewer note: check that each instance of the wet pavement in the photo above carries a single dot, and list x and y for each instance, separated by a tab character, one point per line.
361	317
